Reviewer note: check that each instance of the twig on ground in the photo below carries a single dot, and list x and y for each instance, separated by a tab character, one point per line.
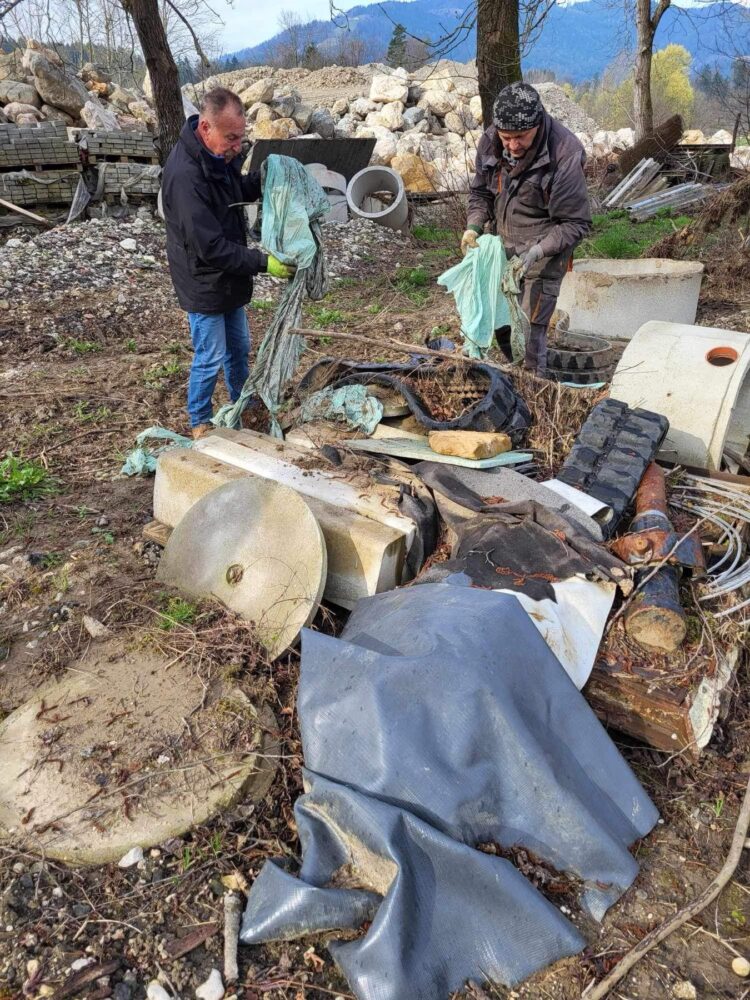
232	911
682	916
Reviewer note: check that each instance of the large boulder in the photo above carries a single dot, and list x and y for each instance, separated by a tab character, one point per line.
262	114
466	86
391	116
12	90
721	138
33	47
413	116
98	117
693	137
385	89
438	102
586	141
262	91
362	107
384	151
143	112
461	120
285	104
55	86
92	73
418	176
121	98
439	83
11	65
475	106
340	107
282	128
303	115
624	138
15	108
322	122
346	127
739	159
56	115
409	144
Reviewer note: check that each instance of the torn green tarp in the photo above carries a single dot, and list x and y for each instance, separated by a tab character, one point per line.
293	204
485	286
349	403
142	459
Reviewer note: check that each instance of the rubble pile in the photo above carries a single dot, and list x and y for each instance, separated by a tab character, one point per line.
35	86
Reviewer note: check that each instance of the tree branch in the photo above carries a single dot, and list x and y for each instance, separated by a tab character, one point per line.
7	6
196	42
659	13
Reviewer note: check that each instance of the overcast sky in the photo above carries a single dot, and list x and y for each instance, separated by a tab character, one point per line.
246	22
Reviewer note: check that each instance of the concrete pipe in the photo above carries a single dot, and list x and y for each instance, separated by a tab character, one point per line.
364	203
614	298
699	378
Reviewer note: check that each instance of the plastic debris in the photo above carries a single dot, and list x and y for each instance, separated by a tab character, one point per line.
351	404
142	459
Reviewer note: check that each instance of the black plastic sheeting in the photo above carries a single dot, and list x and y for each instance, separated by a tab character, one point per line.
440	720
501	409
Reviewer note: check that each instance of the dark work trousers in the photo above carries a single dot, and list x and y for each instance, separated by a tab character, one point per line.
539	292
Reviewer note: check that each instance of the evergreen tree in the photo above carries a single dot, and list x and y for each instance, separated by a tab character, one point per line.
396	54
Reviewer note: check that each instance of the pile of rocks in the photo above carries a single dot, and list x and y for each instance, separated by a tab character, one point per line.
35	86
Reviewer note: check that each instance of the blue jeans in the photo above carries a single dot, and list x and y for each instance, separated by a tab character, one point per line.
220	340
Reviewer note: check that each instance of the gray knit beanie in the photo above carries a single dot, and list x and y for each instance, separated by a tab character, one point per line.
517	108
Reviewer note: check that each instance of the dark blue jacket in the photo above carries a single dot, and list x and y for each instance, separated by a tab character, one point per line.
210	263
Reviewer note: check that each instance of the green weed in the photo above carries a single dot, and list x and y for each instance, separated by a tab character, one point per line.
160	372
24	479
131	346
375	308
80	347
51	559
176	611
263	305
83	412
434	234
440	253
346	282
413	284
322	317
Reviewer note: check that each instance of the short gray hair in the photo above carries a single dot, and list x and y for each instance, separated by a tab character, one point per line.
220	99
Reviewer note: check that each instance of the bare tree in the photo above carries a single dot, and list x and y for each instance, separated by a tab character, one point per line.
647	18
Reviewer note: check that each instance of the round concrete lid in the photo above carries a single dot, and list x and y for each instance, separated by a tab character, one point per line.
257	547
105	760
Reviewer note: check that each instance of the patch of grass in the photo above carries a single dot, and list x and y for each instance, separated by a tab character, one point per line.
263	305
80	347
84	413
159	372
24	479
61	581
375	308
440	253
433	234
21	527
51	559
412	283
322	317
176	611
346	282
131	346
616	236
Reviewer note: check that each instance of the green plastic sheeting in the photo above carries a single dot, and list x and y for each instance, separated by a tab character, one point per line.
349	403
293	205
485	286
142	459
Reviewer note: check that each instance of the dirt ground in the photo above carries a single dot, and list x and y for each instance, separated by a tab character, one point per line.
85	364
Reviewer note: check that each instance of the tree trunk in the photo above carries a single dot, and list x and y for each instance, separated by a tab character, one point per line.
498	50
643	109
162	71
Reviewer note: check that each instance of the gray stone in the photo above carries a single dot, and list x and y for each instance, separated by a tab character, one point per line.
15	109
56	115
413	116
262	90
55	86
122	991
303	115
284	105
323	123
346	127
11	67
91	73
12	90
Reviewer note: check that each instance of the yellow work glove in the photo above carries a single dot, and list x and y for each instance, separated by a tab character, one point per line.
468	241
277	269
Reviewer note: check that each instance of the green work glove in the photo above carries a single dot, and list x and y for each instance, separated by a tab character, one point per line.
276	269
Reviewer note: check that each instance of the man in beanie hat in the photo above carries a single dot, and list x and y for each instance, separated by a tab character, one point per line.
529	185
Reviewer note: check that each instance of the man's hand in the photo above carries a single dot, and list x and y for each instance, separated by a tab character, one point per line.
532	255
469	241
279	270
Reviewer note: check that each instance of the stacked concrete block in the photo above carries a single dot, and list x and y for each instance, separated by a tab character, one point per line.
49	187
134	177
105	145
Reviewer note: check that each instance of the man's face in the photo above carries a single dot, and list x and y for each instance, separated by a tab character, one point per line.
222	134
518	143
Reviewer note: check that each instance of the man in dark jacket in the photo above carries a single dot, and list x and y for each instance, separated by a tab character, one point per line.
211	266
529	185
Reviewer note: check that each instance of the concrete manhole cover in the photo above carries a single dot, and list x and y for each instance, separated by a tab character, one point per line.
257	547
128	749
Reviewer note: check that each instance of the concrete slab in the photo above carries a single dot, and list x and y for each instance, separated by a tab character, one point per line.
364	557
102	761
420	451
256	546
698	378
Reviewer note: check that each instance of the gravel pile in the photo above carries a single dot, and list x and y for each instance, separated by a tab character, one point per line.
560	106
